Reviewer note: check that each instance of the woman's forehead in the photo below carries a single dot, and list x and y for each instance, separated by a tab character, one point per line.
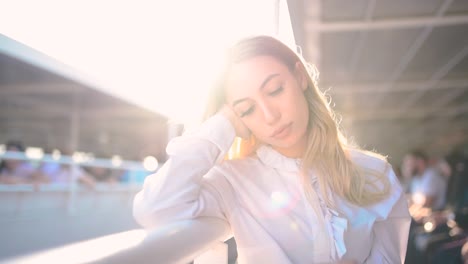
251	73
257	64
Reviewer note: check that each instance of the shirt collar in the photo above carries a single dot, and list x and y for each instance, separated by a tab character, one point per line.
274	159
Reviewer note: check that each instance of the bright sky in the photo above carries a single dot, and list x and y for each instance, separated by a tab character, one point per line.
159	54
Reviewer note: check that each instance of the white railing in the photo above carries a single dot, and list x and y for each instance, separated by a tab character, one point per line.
180	242
81	160
71	189
199	240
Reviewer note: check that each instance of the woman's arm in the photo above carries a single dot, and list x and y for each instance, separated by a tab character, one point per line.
184	187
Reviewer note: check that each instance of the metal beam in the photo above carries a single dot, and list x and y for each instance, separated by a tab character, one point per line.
391	114
412	51
447	98
403	111
385	24
297	14
37	88
357	52
435	77
88	114
28	55
358	49
29	106
409	86
314	12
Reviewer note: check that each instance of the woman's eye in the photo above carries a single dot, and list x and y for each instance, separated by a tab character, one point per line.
247	112
277	91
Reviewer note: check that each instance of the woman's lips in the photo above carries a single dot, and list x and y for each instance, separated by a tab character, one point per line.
282	132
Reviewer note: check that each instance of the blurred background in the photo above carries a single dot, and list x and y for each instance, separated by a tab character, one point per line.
91	92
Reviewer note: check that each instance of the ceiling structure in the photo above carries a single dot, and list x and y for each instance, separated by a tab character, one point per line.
396	70
52	111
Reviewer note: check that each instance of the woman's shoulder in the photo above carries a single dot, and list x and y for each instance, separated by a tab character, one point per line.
375	166
381	169
369	160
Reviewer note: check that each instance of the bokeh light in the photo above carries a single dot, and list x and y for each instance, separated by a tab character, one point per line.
150	163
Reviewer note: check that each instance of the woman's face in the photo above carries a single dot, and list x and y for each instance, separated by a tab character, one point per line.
270	101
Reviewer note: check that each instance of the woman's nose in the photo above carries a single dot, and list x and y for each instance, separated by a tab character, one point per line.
271	113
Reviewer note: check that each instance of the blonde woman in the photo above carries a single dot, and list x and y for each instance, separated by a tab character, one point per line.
299	193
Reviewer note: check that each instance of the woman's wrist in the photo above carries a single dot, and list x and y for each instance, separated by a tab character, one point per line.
218	130
241	130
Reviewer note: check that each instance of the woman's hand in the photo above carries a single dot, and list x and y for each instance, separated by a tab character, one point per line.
241	130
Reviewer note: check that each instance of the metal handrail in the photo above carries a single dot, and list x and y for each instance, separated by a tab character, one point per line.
64	159
179	242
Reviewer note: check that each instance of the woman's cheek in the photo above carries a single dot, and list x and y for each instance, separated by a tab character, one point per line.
253	129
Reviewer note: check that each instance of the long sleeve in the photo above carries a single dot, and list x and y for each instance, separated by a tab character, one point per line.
391	235
184	187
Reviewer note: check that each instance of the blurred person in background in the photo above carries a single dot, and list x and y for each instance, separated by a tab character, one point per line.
102	174
60	173
101	169
428	187
19	171
457	197
134	176
404	177
442	239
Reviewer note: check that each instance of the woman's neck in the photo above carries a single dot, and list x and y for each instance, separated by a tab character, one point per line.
296	151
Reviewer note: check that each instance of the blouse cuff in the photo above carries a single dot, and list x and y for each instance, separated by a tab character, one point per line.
219	131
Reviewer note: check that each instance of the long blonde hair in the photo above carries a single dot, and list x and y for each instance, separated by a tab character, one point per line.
328	151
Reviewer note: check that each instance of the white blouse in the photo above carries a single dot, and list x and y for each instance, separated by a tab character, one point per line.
262	199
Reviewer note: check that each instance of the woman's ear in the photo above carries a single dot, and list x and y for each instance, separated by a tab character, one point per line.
301	76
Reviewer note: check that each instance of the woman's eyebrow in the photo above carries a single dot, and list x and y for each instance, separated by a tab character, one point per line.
267	79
